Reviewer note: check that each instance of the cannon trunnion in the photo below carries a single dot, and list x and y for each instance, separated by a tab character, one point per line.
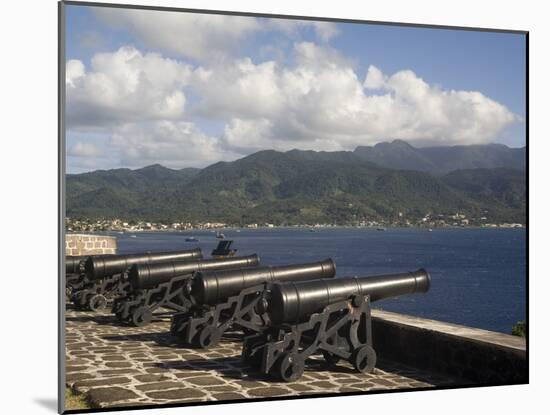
328	317
236	299
166	285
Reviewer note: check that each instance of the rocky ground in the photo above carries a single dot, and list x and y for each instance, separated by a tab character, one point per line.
115	366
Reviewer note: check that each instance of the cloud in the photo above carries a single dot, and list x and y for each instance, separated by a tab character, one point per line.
203	37
124	86
155	108
240	88
375	78
323	30
193	35
172	144
320	103
87	150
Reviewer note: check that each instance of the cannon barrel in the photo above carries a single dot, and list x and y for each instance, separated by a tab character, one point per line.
72	264
99	266
294	302
213	287
143	276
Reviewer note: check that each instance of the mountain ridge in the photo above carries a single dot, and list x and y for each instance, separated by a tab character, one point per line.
300	187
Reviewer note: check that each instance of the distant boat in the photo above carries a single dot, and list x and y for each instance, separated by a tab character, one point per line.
380	229
238	230
220	235
191	239
133	236
312	230
430	230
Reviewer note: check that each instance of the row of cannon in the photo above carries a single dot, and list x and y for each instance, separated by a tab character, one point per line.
286	313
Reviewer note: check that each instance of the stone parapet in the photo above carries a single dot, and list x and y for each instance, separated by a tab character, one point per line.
480	356
83	244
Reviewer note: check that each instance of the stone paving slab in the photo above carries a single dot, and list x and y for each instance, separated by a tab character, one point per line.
116	365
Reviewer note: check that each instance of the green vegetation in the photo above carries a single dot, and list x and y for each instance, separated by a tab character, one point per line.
298	187
443	159
75	401
520	329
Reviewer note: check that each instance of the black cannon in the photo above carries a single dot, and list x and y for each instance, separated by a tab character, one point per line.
74	264
103	275
236	299
74	278
223	249
166	285
101	266
328	317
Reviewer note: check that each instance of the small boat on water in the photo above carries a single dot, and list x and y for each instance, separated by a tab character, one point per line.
220	235
430	230
381	229
191	239
312	230
133	236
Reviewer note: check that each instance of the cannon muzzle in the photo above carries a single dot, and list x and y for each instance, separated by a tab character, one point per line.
100	266
294	302
73	264
214	287
144	276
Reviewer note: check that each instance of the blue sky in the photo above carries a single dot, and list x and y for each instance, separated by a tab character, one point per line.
187	90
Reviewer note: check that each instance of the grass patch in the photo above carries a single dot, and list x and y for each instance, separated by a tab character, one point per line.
74	400
520	329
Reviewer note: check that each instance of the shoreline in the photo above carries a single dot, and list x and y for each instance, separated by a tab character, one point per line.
297	227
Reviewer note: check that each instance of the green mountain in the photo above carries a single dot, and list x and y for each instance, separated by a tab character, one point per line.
295	187
441	160
493	187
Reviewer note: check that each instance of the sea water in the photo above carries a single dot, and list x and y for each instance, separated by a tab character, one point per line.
478	275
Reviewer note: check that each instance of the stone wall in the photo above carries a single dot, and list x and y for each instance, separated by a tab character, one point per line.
480	356
82	244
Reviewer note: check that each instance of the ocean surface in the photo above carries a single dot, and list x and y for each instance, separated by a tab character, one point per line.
478	275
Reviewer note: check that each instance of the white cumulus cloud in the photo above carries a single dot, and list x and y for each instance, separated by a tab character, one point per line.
125	85
375	78
320	103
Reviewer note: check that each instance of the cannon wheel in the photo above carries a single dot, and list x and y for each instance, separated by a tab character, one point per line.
141	317
209	337
96	302
364	359
331	359
291	367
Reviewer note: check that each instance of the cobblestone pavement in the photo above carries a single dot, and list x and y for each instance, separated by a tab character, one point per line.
116	365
